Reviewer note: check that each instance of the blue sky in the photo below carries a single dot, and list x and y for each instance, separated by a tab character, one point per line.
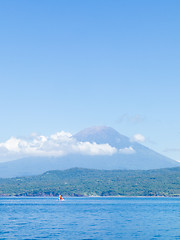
68	65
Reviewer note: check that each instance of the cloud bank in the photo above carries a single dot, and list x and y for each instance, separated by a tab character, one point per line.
58	144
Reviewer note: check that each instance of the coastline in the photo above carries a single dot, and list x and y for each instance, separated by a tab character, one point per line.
92	196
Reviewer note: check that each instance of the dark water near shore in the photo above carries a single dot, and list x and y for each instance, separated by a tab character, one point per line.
90	218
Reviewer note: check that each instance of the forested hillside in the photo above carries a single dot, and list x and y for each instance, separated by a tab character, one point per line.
87	182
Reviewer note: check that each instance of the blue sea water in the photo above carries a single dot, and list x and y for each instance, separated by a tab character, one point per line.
90	218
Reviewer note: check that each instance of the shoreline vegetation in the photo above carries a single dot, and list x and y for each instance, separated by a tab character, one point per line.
79	182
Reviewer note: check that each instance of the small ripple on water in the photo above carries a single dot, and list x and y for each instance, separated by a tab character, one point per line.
90	218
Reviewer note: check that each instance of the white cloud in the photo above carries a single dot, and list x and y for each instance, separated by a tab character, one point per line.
127	150
59	144
95	149
138	138
61	136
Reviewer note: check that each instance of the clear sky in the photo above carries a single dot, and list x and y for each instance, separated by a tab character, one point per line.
67	65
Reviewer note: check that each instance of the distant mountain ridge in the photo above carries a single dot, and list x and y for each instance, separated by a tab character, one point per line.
142	158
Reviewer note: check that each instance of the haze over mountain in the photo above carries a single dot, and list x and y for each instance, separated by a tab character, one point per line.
108	150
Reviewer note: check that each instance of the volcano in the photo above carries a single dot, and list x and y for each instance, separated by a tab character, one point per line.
128	156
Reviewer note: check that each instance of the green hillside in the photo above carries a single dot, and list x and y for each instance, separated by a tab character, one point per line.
86	182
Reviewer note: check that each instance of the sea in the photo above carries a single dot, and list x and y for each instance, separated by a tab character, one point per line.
95	218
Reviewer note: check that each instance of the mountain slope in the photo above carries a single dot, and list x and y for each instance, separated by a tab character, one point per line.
142	158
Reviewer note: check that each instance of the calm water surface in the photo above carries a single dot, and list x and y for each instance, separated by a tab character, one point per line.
90	218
